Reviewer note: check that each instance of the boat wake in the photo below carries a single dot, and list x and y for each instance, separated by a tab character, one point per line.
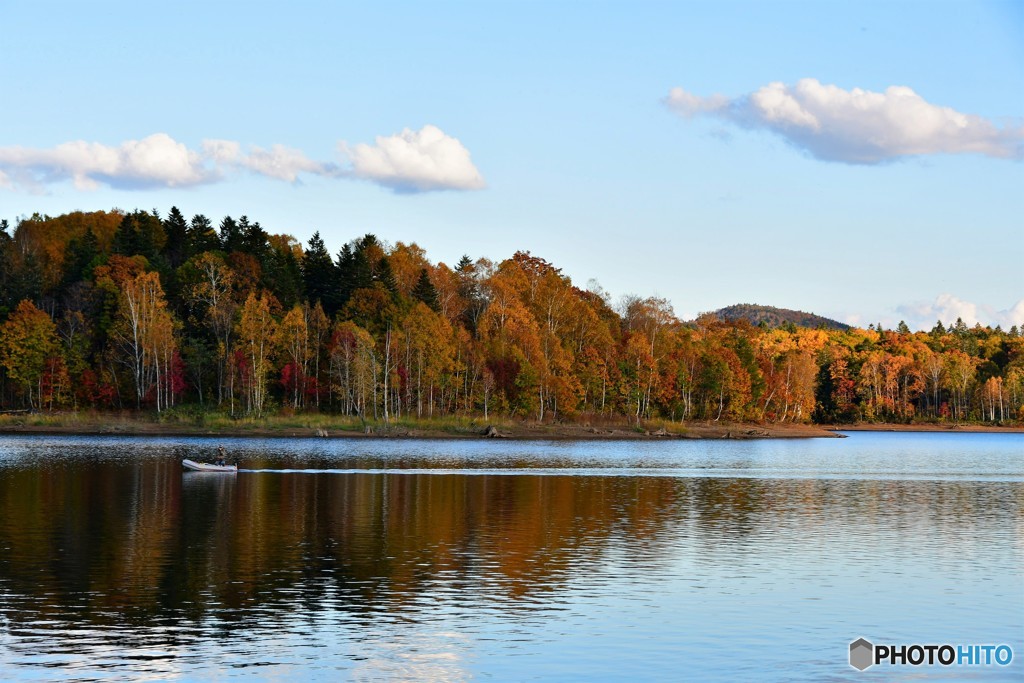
518	471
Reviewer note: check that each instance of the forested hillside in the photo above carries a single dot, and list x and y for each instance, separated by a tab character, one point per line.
112	310
776	317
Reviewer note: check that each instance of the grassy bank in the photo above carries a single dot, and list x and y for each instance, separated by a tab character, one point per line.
205	422
192	422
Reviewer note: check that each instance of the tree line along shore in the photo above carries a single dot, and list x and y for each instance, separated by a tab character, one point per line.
190	326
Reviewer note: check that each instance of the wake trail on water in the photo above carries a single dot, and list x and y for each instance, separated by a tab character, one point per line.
686	473
527	471
530	471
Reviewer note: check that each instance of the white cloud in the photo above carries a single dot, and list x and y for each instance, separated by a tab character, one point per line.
284	163
689	105
856	126
156	160
415	161
407	162
280	162
947	308
222	151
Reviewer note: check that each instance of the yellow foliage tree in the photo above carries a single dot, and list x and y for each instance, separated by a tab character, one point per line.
353	368
429	353
257	334
28	341
144	336
294	341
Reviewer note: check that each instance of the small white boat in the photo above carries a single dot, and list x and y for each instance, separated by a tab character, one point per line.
207	467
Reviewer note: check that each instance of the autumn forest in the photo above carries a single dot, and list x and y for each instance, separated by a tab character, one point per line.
115	311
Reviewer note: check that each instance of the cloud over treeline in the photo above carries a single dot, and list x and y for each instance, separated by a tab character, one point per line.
947	308
856	126
410	161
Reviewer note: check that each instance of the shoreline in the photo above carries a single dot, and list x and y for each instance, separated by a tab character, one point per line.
966	428
607	430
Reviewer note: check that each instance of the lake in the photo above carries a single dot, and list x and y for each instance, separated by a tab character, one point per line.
356	559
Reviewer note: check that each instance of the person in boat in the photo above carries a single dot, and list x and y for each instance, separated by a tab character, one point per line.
220	456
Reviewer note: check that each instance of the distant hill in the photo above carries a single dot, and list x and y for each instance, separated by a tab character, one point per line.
776	317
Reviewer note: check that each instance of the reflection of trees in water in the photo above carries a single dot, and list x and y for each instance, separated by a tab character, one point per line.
116	543
130	544
85	540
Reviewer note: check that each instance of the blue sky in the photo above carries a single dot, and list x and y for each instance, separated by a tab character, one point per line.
484	128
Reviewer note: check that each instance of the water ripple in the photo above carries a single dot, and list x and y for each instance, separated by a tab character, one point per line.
431	561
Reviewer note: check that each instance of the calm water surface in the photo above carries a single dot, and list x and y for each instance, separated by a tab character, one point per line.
434	560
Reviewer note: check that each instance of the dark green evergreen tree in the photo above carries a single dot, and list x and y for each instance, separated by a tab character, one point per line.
282	275
176	232
357	268
384	275
152	238
201	237
363	264
425	291
142	233
6	270
320	276
254	241
126	238
230	235
79	259
27	281
825	409
345	269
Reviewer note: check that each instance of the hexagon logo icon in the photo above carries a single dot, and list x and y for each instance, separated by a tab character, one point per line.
861	654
